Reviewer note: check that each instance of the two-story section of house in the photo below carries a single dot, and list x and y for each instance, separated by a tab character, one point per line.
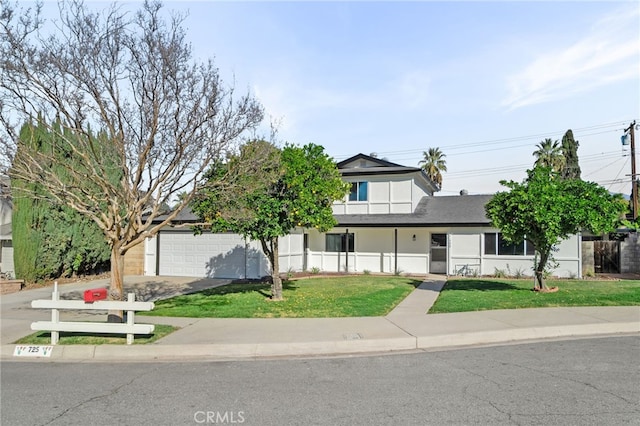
374	231
381	187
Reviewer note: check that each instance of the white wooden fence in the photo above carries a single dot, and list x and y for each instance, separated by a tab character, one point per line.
56	326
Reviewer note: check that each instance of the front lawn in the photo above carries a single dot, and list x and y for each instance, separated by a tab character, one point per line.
461	295
75	338
326	297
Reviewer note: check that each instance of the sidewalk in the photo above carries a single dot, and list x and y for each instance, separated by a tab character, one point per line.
406	328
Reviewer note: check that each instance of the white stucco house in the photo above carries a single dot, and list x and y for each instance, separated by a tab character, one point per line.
391	221
6	246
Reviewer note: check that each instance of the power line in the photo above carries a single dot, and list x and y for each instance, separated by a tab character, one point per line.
522	167
618	126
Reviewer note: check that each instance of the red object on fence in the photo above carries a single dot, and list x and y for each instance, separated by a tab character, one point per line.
94	294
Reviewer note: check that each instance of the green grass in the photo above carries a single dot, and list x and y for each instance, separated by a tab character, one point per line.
461	295
68	338
347	296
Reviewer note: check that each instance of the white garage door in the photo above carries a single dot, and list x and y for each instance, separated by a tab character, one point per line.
205	255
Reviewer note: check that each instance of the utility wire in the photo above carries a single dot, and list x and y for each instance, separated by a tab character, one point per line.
617	126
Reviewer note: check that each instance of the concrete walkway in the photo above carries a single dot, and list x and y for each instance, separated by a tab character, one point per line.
406	328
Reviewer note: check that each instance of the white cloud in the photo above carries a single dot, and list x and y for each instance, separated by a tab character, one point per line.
609	53
293	99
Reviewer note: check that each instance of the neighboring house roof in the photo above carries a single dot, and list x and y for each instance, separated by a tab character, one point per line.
463	210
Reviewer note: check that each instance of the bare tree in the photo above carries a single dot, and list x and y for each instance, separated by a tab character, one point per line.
162	117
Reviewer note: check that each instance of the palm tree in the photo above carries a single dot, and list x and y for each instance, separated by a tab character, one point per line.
549	154
433	164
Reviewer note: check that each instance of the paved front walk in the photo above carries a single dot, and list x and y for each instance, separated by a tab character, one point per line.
406	328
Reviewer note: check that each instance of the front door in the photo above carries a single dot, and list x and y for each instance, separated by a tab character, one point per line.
438	254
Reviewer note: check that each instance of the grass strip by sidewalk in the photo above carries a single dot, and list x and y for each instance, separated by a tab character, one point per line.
75	338
327	297
463	295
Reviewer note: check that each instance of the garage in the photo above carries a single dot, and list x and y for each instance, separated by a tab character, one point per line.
222	255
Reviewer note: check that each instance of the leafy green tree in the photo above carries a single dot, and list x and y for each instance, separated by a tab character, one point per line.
273	191
544	209
571	167
434	164
549	154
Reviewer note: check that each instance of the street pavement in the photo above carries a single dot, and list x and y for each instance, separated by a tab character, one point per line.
406	328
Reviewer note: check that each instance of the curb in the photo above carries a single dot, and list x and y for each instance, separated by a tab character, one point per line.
154	352
526	334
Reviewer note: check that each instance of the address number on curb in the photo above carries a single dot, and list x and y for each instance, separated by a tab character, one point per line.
33	351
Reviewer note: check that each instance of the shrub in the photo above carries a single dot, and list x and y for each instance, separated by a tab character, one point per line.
518	273
499	273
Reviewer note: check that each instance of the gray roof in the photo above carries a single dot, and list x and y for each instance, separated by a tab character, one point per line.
459	210
186	215
381	162
463	210
383	166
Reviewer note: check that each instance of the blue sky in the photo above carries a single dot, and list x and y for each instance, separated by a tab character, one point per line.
484	81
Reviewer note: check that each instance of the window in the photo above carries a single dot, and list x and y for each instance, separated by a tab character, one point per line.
438	240
490	243
338	242
439	247
358	191
494	244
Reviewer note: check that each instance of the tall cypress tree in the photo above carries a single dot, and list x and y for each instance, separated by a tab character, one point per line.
571	169
26	217
51	240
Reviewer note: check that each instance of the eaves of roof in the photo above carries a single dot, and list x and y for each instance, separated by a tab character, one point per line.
398	221
381	162
367	171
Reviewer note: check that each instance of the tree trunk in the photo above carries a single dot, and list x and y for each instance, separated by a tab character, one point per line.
539	283
117	279
271	250
276	285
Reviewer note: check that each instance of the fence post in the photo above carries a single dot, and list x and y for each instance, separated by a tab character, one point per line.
55	314
131	297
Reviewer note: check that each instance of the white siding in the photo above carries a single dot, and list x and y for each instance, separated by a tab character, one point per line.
374	251
150	256
386	194
568	258
465	252
6	257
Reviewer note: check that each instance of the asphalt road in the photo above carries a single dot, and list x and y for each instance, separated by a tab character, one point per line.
573	382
